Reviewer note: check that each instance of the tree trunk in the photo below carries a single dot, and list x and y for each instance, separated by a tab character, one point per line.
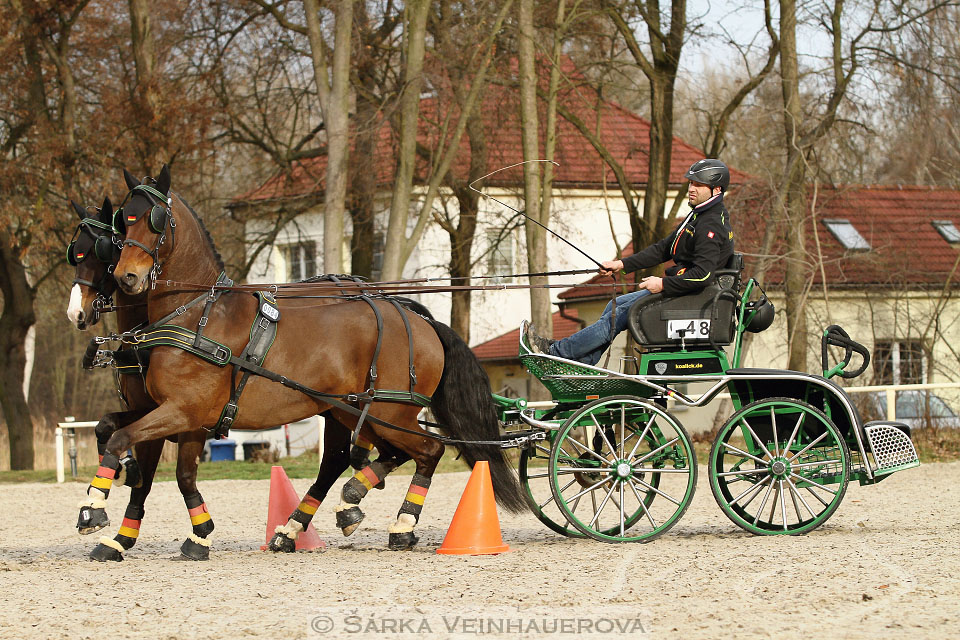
655	225
415	47
15	321
334	102
146	97
536	237
792	190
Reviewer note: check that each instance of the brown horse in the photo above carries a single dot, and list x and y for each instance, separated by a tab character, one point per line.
94	252
326	349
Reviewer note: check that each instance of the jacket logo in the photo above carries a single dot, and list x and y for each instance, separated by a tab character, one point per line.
710	234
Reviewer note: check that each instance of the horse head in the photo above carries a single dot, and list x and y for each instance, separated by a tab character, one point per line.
93	251
145	221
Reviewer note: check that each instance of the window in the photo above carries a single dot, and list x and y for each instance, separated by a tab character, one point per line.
899	362
301	259
847	235
500	254
948	230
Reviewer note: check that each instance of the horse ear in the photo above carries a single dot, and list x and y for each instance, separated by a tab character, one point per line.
163	180
106	211
80	210
130	179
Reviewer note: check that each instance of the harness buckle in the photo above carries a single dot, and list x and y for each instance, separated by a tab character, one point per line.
221	354
203	321
181	310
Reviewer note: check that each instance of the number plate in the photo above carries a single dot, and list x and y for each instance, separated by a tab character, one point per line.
693	329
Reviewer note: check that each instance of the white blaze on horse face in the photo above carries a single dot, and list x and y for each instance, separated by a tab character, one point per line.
75	308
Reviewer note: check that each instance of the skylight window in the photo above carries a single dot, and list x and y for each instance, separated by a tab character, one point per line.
948	230
848	236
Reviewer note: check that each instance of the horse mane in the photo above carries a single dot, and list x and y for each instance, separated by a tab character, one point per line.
213	247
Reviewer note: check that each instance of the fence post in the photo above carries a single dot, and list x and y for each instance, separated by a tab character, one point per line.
891	405
59	442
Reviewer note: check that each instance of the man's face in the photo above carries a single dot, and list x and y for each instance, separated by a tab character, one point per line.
698	193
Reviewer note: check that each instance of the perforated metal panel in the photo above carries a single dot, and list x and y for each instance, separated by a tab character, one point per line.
562	379
892	448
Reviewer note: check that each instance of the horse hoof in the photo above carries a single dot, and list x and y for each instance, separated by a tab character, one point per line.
402	541
91	520
281	543
190	550
349	519
103	553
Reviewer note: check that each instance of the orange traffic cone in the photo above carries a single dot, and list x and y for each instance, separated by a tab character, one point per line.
475	528
283	500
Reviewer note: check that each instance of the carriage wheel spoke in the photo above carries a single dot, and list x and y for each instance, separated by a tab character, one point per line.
796	429
642	436
814	494
657	450
796	495
603	435
643	505
664	470
773	423
603	503
756	437
763	503
655	490
552	499
587	449
804	450
587	490
620	507
623	426
754	486
744	453
783	504
816	484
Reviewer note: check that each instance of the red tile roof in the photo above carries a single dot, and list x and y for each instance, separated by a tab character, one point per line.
625	135
506	346
896	220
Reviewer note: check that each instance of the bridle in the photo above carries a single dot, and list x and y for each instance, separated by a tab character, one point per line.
106	249
159	217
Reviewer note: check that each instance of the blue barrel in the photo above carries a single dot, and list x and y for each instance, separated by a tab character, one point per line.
225	449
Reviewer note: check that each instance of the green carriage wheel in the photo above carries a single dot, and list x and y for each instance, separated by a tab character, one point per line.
622	470
779	466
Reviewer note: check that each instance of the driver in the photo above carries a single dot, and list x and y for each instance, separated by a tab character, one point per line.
700	245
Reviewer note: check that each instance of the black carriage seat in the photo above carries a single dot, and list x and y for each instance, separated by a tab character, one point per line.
651	317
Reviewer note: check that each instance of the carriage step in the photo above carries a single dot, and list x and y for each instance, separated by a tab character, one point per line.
891	445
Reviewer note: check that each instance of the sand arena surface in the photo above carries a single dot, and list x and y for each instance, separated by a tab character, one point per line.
887	564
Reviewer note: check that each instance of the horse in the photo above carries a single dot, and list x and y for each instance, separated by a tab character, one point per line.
94	252
319	358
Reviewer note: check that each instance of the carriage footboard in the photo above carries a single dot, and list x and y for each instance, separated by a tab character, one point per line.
891	446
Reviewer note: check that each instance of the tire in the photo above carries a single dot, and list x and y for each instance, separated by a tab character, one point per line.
622	470
784	448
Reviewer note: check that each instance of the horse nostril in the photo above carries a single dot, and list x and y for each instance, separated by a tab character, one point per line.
80	317
130	279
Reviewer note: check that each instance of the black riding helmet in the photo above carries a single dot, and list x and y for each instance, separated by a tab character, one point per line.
710	172
759	314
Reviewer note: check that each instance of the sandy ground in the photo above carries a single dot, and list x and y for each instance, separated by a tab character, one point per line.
886	565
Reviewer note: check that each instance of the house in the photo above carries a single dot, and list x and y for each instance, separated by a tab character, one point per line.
588	209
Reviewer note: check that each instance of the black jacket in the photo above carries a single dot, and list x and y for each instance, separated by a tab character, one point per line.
705	245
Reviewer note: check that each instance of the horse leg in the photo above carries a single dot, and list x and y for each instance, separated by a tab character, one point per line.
336	439
155	425
93	513
197	545
349	515
401	532
148	456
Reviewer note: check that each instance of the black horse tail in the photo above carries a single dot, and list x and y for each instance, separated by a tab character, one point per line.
463	404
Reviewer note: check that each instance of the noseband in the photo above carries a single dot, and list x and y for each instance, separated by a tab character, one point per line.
102	286
157	222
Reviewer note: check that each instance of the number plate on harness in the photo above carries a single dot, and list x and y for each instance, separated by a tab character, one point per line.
693	329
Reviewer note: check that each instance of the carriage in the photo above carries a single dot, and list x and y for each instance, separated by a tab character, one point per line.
617	465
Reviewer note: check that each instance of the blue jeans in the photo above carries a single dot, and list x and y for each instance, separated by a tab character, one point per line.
588	344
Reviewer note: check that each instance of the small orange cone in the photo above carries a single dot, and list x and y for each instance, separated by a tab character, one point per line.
475	528
283	501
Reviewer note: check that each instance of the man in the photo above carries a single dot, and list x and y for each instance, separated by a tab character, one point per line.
700	245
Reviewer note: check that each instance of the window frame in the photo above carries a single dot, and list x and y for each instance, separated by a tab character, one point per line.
840	228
